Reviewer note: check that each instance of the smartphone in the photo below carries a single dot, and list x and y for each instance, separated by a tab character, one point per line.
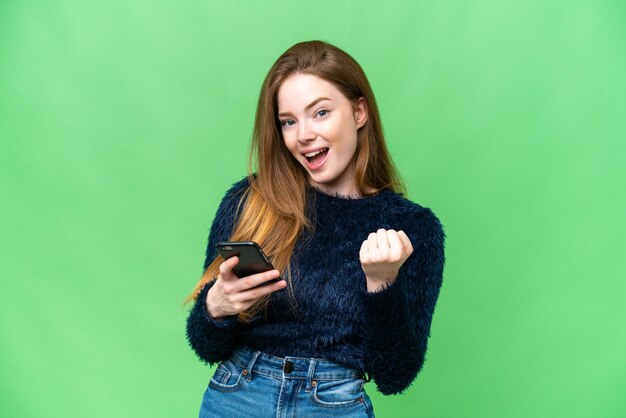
252	259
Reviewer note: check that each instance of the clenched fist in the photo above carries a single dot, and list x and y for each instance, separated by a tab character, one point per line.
382	254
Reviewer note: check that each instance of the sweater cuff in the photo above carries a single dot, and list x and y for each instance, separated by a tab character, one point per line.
224	322
385	305
386	293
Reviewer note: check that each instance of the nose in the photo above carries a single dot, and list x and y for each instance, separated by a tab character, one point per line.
305	134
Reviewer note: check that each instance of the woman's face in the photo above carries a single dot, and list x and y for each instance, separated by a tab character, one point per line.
315	116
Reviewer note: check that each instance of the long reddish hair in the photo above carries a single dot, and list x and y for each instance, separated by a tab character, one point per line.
273	214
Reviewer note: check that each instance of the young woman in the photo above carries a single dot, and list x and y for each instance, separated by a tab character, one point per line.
362	265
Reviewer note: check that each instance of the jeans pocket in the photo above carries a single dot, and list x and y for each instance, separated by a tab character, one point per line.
338	393
228	377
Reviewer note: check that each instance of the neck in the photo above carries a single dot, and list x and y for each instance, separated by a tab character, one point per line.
348	190
344	185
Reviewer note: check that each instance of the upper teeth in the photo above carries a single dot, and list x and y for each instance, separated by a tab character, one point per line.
314	153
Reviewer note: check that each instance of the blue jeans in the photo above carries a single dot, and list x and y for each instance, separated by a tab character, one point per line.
254	384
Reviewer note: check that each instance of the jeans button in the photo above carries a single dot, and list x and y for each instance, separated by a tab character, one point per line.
288	367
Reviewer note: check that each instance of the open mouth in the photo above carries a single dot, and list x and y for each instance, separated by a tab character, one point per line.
316	159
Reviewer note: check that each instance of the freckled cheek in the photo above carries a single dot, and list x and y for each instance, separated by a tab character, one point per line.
330	134
291	146
289	142
342	141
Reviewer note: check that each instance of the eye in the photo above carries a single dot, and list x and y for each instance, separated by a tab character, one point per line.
285	123
322	112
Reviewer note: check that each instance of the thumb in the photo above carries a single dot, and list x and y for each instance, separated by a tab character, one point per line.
227	266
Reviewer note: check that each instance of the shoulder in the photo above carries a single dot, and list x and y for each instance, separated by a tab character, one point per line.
237	190
231	203
239	186
418	221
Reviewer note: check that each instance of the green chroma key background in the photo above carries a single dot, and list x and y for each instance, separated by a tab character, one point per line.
122	124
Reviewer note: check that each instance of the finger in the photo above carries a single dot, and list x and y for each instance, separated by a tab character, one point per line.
260	291
383	242
227	266
395	244
372	242
253	280
363	252
406	242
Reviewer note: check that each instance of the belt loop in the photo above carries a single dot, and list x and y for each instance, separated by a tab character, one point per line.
253	359
310	374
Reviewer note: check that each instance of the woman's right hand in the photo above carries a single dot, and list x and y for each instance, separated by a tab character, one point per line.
231	294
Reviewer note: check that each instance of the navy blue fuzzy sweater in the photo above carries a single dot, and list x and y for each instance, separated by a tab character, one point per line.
383	333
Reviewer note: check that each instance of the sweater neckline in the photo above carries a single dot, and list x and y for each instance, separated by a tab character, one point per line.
338	198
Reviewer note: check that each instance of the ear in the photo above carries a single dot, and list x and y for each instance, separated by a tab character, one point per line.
360	112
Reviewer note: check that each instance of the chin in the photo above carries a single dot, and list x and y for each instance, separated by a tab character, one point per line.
325	180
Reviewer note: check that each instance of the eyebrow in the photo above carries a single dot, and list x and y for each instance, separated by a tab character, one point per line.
310	105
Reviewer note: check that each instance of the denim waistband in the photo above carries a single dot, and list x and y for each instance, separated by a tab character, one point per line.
292	367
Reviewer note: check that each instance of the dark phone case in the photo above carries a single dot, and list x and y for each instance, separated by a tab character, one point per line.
252	259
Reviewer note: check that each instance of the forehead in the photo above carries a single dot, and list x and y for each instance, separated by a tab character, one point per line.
299	90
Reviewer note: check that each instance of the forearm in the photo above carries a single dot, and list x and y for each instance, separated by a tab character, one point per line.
394	351
213	339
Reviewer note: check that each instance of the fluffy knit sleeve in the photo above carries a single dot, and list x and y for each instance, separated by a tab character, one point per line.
214	339
399	316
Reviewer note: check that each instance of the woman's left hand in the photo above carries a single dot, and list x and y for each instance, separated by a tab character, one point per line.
382	254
